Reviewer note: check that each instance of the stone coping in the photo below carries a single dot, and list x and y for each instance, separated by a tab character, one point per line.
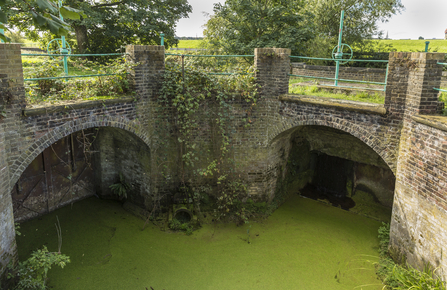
438	122
361	107
72	105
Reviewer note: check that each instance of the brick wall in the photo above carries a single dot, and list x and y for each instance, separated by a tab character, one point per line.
347	73
418	231
261	150
10	100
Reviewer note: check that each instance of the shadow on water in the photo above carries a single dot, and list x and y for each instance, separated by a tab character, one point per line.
311	191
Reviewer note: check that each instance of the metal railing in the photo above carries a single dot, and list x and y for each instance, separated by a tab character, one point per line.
336	78
66	68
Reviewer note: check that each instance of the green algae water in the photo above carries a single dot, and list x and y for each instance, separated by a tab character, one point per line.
302	245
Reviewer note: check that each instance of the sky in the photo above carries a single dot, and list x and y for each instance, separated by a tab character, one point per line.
426	18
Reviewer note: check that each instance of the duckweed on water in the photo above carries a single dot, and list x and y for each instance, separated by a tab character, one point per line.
303	245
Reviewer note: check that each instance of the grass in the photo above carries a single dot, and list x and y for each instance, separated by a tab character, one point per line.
193	43
439	45
417	45
314	90
403	277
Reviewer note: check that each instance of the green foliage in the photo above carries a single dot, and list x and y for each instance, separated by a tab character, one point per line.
361	17
17	228
32	273
15	36
106	26
384	239
403	277
205	104
410	278
52	90
239	26
40	14
121	188
176	225
306	27
2	112
443	98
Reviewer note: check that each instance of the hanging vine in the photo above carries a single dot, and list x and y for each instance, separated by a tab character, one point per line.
202	112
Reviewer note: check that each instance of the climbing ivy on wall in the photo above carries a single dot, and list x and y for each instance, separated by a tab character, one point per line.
203	117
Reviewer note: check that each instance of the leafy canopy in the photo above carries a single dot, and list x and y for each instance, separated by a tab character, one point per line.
306	27
239	26
107	25
361	17
41	14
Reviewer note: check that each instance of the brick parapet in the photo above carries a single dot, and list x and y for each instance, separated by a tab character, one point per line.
411	79
272	70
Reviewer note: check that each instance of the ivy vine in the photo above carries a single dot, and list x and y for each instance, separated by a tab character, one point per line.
202	118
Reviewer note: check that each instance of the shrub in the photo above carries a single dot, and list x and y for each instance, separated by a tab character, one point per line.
32	273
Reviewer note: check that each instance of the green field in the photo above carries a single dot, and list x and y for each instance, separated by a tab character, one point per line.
436	45
194	43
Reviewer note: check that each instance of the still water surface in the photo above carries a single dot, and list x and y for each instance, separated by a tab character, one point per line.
303	245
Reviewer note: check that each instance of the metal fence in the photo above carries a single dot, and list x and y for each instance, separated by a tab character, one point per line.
65	56
212	56
336	78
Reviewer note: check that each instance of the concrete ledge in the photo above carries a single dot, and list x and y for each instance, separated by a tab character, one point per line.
361	107
438	122
69	106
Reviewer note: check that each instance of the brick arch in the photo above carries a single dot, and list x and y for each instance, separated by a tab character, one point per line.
362	133
57	133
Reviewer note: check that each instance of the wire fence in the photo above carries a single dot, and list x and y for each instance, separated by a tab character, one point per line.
337	79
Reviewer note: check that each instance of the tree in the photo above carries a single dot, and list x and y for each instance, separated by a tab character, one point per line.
361	17
107	25
239	26
43	14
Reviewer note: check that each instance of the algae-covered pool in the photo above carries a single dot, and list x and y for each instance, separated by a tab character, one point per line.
303	245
